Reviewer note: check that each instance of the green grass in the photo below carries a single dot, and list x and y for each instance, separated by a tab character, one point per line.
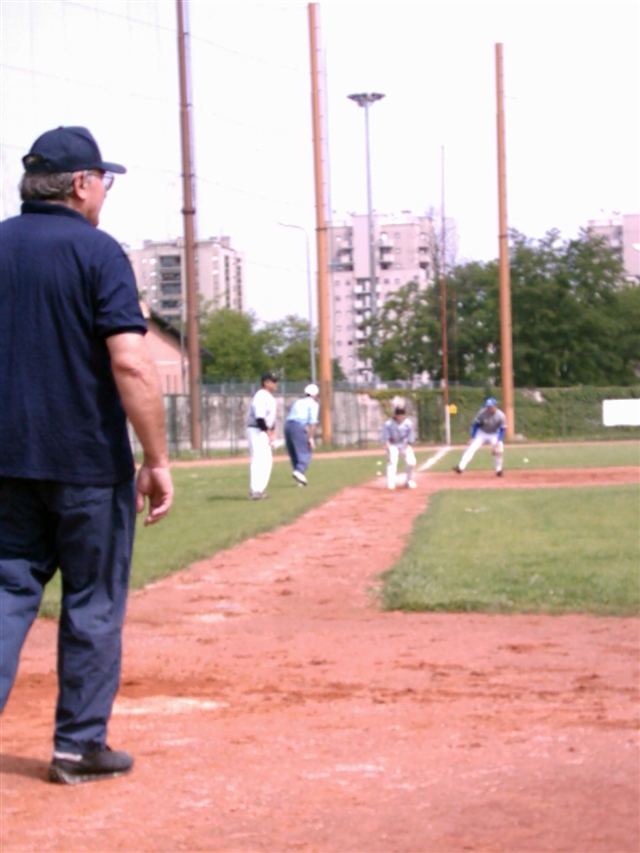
211	512
519	457
542	551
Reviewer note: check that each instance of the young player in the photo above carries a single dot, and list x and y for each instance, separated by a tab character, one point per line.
397	436
488	427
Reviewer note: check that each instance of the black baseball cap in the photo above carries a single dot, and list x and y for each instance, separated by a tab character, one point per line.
268	377
67	149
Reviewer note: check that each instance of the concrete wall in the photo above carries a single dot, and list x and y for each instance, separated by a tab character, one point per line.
357	420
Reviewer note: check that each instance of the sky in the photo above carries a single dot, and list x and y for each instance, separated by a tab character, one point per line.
572	114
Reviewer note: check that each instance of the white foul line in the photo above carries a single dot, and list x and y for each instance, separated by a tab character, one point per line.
433	459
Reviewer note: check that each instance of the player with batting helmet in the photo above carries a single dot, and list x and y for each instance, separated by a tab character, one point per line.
489	427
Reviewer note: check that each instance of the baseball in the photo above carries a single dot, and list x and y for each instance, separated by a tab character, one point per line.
525	459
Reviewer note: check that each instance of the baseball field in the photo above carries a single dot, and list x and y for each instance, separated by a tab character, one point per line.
276	700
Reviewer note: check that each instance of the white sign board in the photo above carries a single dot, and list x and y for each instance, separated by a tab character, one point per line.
621	412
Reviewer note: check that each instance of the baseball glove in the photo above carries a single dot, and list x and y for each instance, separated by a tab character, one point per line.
498	449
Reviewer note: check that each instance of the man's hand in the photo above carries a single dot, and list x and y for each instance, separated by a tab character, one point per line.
312	444
498	449
136	376
154	483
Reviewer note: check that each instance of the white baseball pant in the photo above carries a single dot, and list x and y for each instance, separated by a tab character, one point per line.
261	459
393	454
481	438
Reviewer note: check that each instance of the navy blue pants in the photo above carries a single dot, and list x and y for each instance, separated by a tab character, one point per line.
87	532
297	440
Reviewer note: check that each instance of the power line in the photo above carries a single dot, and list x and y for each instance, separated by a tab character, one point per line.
105	10
256	59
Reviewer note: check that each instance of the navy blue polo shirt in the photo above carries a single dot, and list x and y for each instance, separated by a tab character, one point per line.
65	286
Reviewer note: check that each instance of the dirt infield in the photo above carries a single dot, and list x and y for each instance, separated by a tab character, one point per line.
271	706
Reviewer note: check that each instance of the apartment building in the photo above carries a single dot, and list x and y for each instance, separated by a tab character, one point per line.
622	232
159	268
403	252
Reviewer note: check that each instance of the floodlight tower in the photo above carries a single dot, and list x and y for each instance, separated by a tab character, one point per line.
365	100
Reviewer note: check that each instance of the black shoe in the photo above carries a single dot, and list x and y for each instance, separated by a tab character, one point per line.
104	764
457	469
499	473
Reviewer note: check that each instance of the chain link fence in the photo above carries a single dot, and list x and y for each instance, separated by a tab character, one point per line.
359	415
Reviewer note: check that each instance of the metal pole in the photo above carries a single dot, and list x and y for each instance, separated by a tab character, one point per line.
363	100
372	262
188	211
506	354
443	315
326	376
312	348
312	359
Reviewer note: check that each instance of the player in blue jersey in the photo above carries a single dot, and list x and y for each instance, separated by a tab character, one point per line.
489	427
299	432
398	436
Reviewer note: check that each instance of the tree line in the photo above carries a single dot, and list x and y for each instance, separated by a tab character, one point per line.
240	350
575	319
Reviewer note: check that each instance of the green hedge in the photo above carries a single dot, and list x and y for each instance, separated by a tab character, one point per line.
544	414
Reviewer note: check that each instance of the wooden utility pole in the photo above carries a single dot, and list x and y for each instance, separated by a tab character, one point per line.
188	212
326	377
506	346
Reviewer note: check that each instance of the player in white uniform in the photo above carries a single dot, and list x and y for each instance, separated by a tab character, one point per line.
488	427
397	436
261	434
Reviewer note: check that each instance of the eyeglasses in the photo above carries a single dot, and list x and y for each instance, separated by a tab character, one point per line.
107	178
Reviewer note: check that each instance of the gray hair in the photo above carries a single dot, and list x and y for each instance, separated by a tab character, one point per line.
46	187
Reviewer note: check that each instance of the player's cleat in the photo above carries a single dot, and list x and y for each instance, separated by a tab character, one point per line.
411	484
258	496
70	769
299	476
391	486
457	469
499	473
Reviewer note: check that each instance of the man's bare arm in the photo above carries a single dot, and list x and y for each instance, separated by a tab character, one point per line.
137	380
311	432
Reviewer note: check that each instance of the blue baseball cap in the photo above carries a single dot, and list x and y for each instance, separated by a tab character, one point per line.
67	149
490	401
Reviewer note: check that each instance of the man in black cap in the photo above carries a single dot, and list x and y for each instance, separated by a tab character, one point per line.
73	366
261	435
